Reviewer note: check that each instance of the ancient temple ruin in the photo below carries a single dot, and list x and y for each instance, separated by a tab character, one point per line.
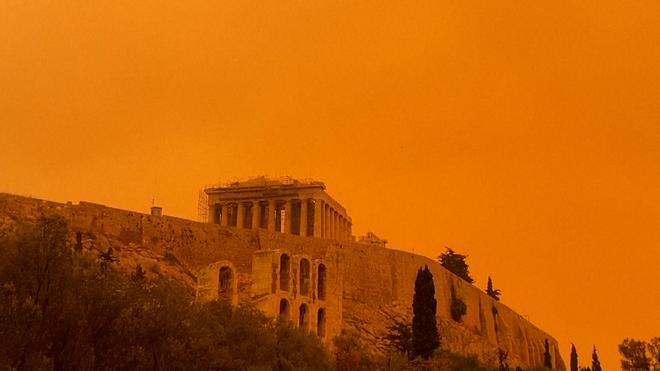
286	205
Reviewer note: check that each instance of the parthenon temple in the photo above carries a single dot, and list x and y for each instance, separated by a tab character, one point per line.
287	205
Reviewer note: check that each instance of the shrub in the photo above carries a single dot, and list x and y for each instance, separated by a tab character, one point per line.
457	308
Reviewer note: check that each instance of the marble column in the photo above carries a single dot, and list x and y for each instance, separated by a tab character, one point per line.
213	211
287	216
256	214
271	215
326	221
333	224
342	228
303	217
318	219
224	218
240	215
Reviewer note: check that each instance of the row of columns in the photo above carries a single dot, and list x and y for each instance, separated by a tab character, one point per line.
326	222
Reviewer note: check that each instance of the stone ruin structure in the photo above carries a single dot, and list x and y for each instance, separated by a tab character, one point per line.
286	247
286	205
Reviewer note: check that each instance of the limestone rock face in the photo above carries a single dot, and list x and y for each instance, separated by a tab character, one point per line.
322	285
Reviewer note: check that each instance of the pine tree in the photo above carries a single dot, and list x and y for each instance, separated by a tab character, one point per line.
425	331
547	358
574	358
495	294
595	362
455	263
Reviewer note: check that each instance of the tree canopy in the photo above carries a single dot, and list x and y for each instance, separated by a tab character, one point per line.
455	263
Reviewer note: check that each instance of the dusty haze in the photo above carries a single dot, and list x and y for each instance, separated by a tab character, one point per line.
525	135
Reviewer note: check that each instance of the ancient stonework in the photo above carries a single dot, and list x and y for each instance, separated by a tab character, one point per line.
322	284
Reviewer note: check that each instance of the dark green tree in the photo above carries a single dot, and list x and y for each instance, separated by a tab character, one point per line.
457	307
547	358
455	263
595	362
634	355
653	346
399	337
107	257
574	358
493	293
138	275
425	337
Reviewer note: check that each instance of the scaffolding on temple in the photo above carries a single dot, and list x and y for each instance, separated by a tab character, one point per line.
203	207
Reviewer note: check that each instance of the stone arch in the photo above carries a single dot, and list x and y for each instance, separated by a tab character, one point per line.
320	323
285	272
285	309
226	283
303	316
304	276
321	281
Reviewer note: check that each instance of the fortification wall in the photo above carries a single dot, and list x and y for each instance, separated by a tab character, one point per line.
365	287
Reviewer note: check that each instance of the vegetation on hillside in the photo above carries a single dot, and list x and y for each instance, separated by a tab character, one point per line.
640	355
63	309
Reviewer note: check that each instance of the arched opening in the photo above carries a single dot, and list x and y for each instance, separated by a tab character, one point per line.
225	284
321	282
284	309
303	317
320	323
285	267
304	277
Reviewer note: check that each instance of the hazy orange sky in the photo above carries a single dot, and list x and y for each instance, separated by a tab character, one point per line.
525	134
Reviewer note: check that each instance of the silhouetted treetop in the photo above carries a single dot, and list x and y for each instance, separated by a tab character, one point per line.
455	263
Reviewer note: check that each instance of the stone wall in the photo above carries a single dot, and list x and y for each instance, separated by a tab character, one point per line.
366	286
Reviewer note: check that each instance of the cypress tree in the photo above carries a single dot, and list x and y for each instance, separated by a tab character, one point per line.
425	331
574	358
495	294
547	358
595	362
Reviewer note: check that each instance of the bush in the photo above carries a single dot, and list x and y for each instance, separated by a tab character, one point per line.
350	354
457	308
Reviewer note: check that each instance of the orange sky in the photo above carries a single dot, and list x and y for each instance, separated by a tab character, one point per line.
525	134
